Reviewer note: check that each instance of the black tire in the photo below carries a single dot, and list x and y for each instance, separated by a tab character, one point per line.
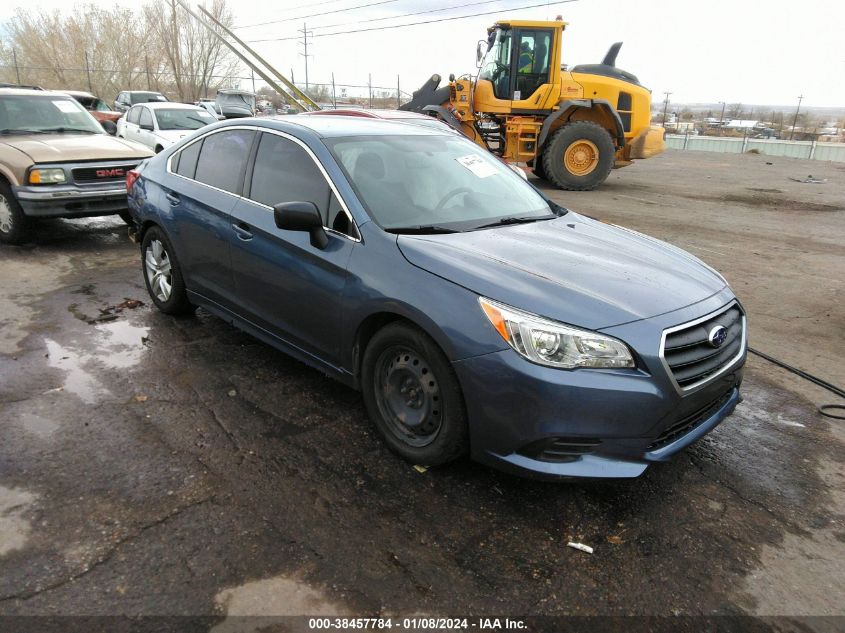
176	300
14	225
538	168
402	356
571	135
126	217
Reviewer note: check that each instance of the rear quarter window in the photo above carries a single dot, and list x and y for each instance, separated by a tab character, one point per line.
186	160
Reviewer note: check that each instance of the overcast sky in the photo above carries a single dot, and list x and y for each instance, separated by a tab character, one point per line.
721	50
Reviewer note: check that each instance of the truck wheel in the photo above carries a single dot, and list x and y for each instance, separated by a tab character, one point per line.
14	225
538	168
579	156
412	395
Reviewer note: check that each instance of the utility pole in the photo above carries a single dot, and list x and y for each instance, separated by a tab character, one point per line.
722	118
334	98
665	107
398	94
795	120
17	70
253	81
147	66
88	71
305	33
370	88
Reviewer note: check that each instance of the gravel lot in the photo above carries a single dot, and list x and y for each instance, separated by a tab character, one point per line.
160	466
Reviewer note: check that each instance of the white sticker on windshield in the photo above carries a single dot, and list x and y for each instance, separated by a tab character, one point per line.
477	165
65	106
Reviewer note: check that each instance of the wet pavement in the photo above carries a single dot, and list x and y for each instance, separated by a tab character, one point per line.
152	465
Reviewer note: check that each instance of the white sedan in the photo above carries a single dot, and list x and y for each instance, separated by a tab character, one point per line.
160	124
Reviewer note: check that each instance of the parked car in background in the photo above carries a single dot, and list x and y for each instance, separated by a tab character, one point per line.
404	116
96	106
57	161
235	104
128	98
159	125
474	314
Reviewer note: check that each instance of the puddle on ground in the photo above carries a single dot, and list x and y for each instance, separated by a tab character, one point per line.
115	345
268	602
14	528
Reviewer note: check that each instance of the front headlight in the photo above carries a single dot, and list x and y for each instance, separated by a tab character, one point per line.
554	344
49	176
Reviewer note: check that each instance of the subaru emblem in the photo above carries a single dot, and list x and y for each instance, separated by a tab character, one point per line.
717	336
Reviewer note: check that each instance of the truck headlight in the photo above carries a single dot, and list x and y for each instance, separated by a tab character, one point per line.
554	344
51	176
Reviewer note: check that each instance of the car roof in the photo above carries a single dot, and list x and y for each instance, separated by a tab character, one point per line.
31	92
333	126
77	93
372	113
169	105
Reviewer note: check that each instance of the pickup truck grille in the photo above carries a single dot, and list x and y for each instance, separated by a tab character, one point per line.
691	356
101	173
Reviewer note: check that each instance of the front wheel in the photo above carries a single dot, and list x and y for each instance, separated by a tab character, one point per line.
14	225
579	156
162	274
412	395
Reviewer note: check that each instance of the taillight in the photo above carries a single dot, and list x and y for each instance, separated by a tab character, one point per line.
131	177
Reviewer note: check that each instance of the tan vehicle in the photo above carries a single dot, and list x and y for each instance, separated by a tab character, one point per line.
56	161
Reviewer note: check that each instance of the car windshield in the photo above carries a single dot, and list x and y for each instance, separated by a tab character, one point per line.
147	97
182	119
28	114
435	183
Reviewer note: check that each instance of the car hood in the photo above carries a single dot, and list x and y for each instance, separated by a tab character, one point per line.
54	148
572	269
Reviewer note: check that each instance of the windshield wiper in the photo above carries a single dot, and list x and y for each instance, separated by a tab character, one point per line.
62	130
513	220
423	229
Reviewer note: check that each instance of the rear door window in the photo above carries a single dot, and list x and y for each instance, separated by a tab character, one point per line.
223	158
187	160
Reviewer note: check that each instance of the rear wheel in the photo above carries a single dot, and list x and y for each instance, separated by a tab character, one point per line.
538	168
14	225
162	274
579	156
413	397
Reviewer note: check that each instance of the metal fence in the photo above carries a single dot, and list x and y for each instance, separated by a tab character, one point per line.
812	150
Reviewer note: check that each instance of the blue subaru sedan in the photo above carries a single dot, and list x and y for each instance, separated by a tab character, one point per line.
475	315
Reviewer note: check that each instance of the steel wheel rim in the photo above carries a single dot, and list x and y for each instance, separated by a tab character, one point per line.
408	396
5	215
581	157
158	270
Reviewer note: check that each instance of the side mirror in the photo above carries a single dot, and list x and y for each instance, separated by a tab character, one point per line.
302	216
109	126
480	49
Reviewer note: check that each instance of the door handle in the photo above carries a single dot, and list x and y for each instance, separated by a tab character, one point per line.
172	198
242	231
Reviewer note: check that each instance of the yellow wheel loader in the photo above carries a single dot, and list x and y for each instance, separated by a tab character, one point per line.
571	126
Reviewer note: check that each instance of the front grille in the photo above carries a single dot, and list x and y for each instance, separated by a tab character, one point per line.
560	449
689	423
101	173
689	354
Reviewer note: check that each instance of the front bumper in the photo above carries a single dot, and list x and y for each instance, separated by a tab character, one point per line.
550	423
66	201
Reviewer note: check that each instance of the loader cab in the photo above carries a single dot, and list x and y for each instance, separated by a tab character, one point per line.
518	70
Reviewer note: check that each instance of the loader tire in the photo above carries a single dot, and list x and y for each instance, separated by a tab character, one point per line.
579	156
537	168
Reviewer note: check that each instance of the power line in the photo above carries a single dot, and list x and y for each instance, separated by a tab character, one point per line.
407	15
399	26
314	15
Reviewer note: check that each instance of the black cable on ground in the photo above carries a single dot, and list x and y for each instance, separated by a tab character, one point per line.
823	409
